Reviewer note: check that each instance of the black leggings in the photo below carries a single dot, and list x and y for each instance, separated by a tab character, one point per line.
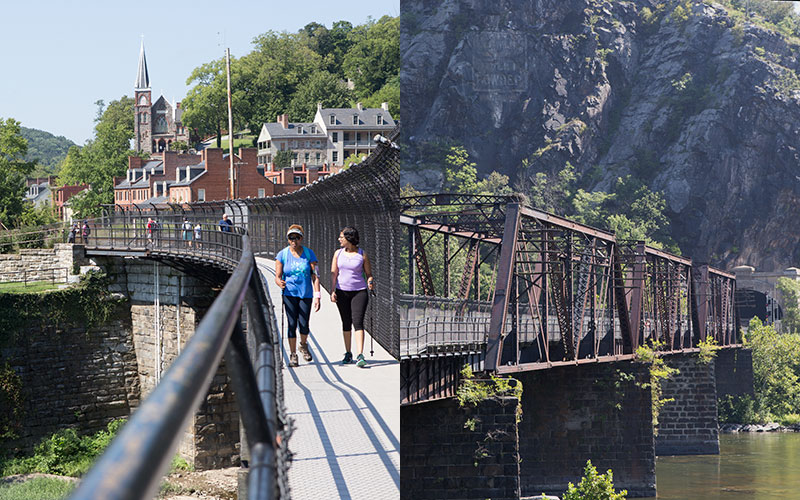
297	312
352	307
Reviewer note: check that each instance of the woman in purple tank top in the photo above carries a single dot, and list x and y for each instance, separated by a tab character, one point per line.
352	275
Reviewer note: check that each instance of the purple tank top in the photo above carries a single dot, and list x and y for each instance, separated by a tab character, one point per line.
351	271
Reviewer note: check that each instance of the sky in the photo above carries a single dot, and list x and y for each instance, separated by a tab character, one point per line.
61	56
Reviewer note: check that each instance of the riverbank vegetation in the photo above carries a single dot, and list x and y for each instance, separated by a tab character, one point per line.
776	380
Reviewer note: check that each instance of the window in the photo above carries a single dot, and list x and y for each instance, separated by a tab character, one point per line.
268	144
161	126
143	100
294	156
317	157
358	136
307	155
355	119
317	144
294	144
379	119
335	137
333	120
308	144
335	156
313	129
201	195
298	179
261	192
283	146
346	136
299	130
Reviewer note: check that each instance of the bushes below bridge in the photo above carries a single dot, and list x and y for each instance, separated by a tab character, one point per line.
776	378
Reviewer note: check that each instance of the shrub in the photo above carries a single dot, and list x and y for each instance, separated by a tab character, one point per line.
594	486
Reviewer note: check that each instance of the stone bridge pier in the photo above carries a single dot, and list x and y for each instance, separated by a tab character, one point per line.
165	307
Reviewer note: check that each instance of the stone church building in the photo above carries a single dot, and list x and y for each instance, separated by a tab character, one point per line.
156	124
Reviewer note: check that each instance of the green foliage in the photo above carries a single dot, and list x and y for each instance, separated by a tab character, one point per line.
101	159
13	170
738	410
460	175
681	13
776	369
11	400
659	372
594	486
471	424
472	391
790	295
40	488
389	93
205	107
64	453
87	304
45	149
283	159
789	420
179	146
708	350
320	87
375	55
180	463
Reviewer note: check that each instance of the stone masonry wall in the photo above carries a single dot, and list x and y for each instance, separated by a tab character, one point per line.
733	371
74	378
212	439
688	425
465	453
41	263
589	412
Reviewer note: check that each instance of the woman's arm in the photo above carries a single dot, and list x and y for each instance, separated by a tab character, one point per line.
279	274
334	274
368	271
315	284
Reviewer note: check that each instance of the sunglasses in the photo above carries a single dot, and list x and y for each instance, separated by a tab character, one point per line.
294	237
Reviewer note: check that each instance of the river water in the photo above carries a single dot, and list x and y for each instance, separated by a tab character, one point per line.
753	466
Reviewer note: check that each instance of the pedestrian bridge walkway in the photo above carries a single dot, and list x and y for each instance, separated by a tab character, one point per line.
346	439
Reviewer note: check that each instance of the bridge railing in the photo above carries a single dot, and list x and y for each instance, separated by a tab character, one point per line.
137	458
560	292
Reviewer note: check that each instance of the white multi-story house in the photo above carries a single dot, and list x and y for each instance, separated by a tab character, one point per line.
334	135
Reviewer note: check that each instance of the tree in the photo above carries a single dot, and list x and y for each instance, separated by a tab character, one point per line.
594	486
179	146
790	293
375	56
776	370
390	94
13	170
205	108
101	159
321	87
283	159
460	175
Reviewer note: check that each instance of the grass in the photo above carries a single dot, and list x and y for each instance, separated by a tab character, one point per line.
30	287
245	141
40	488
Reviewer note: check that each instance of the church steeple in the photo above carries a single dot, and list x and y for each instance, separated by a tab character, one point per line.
142	78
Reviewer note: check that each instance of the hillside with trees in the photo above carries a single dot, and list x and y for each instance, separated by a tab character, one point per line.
292	72
45	149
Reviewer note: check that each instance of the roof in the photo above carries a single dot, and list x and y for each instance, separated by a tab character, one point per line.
142	78
276	131
366	117
195	171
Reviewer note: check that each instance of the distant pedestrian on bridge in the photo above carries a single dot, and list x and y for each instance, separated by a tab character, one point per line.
351	274
73	233
296	274
198	232
152	229
225	224
86	232
187	232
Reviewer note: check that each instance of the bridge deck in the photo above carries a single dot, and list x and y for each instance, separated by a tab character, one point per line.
346	442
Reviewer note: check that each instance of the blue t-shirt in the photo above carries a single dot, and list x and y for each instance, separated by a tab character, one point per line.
297	272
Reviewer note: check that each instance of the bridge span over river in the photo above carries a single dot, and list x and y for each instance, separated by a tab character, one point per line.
561	308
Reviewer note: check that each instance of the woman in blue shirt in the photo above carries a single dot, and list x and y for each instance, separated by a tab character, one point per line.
296	274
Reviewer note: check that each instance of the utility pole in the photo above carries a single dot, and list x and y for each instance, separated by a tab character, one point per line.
230	122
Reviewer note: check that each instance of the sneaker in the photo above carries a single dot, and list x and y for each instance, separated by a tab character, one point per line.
361	363
305	352
348	358
293	360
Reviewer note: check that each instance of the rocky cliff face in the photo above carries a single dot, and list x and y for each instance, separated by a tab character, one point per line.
688	96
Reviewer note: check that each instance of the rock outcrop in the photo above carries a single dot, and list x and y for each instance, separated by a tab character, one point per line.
690	97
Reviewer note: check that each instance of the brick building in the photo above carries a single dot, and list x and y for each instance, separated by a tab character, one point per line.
62	196
147	181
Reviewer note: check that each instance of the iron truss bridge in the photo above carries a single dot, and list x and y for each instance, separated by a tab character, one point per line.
494	284
364	196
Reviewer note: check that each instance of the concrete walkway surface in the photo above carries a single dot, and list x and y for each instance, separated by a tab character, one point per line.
346	442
